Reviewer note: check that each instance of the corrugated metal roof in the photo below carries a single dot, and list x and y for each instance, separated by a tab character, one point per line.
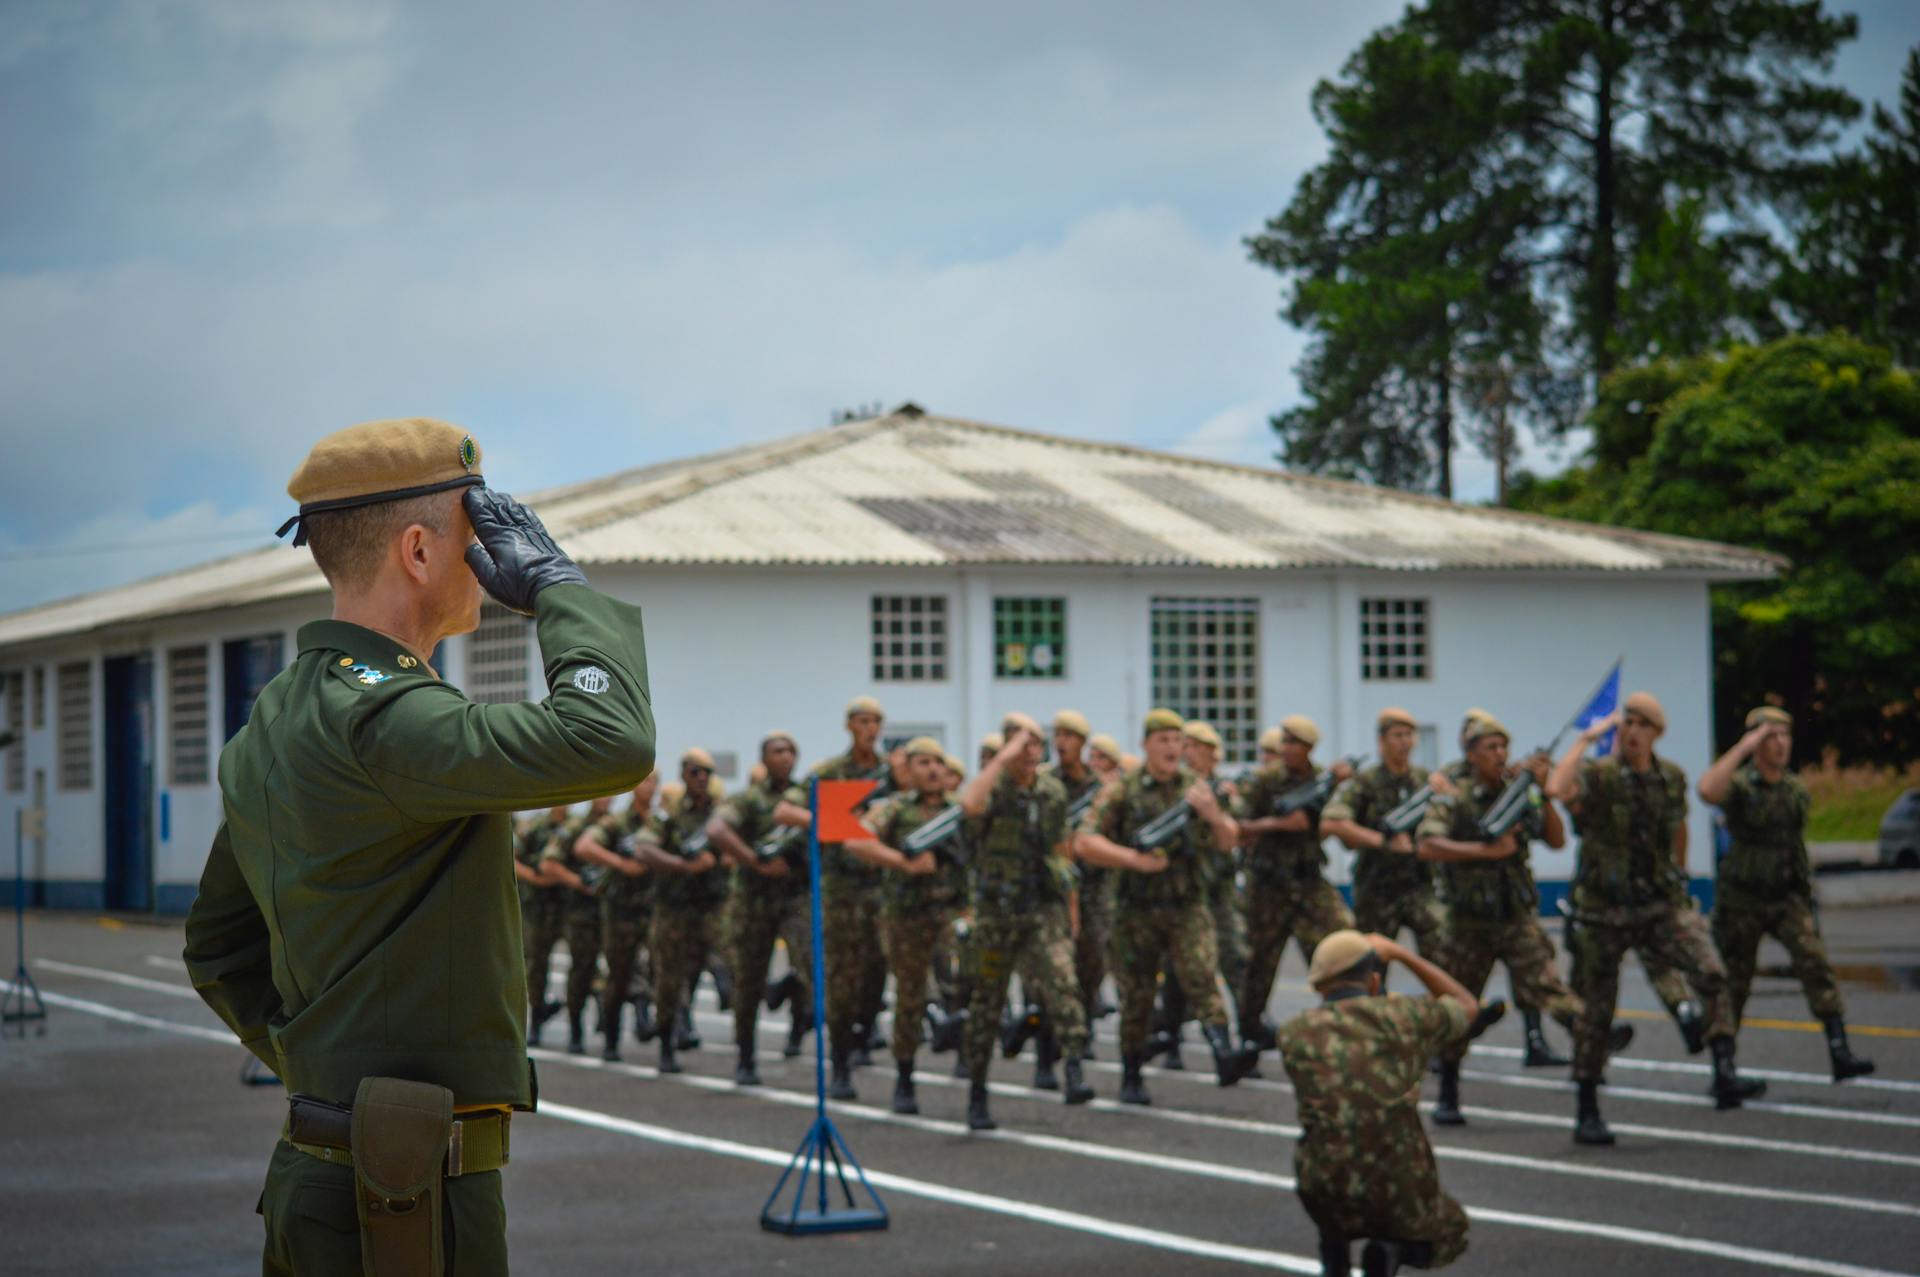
911	488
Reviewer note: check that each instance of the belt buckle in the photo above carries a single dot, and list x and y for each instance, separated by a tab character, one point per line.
456	1150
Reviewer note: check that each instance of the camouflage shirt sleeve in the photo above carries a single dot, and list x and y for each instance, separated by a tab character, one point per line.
1345	801
1103	817
1438	820
1434	1022
1676	778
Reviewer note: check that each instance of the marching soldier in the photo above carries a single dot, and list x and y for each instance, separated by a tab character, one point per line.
1160	906
1270	741
918	899
1765	885
770	902
1392	887
1094	895
1203	753
1493	905
1630	892
689	887
356	925
1106	757
542	914
1020	872
561	863
626	913
1288	894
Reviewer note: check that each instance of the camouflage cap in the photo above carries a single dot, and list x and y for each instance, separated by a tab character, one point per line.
865	705
1018	722
1648	706
1769	714
1394	716
1202	734
379	461
1338	953
925	747
1270	741
1301	728
1072	720
1162	720
1106	746
697	757
1481	727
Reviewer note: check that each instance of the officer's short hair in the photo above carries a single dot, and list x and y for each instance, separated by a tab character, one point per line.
349	544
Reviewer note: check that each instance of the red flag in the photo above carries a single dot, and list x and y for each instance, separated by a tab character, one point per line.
836	821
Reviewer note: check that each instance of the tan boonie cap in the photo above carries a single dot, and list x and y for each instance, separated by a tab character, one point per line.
1301	728
925	747
1336	955
954	765
1394	716
1270	741
1072	720
697	757
378	461
1162	720
992	743
1648	706
1106	746
1482	726
864	705
1467	721
1769	714
777	735
1017	721
1202	733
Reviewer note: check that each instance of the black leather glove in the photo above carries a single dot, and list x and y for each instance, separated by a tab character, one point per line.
515	558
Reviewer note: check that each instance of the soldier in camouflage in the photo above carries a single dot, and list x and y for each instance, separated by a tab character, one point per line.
1392	887
1765	884
1630	892
542	914
1160	906
581	915
1288	895
770	902
689	888
1021	875
626	912
1093	897
1363	1163
919	896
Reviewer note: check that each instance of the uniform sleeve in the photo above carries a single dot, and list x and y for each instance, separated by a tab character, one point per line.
1345	803
1436	1022
229	953
733	811
1103	817
1438	820
438	756
1677	790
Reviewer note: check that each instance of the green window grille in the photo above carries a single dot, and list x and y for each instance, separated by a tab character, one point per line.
1029	638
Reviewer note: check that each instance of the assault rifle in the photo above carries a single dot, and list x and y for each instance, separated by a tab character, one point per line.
1314	793
883	786
1169	825
786	841
1078	808
941	836
1404	818
1516	798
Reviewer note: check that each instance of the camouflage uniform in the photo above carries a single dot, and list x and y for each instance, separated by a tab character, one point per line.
686	912
580	915
1156	915
1288	894
1629	894
850	920
1095	891
1020	916
626	915
761	910
1364	1165
1765	888
542	911
1493	907
916	911
1391	889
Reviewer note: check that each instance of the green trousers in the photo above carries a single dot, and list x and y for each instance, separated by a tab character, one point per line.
313	1231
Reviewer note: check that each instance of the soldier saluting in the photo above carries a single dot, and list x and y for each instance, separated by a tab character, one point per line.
357	925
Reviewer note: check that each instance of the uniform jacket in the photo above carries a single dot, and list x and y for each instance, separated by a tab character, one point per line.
1768	824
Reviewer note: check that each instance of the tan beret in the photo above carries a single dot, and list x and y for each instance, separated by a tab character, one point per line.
1162	720
992	743
1301	728
378	461
778	735
1769	714
1482	726
1270	741
1106	746
1338	953
865	705
1202	734
925	747
954	765
1072	720
1394	716
697	757
1016	722
1648	706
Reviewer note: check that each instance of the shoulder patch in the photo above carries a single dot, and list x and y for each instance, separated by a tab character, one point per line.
592	680
368	675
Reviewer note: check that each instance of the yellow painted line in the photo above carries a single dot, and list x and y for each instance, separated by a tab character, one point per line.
113	924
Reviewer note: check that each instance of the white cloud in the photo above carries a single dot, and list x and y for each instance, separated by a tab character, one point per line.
117	547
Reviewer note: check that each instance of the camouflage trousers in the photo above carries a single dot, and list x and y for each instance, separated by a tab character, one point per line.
910	941
1739	922
1472	949
1391	1192
1040	946
682	941
541	929
1096	934
953	965
623	932
755	921
583	951
1304	912
1143	938
1674	936
1417	911
1229	933
851	922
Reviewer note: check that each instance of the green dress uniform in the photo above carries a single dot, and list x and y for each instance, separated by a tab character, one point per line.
580	919
357	917
850	922
542	910
1391	889
626	916
686	913
765	909
1363	1163
1288	895
916	912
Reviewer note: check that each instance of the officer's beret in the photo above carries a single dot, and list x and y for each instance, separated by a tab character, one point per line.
1072	720
1301	728
1335	955
925	747
1270	741
1107	746
1202	733
1648	706
992	743
1016	722
954	765
1481	726
1769	714
697	757
778	735
1162	720
378	461
1394	716
865	705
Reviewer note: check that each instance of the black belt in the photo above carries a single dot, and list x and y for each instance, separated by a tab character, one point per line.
324	1130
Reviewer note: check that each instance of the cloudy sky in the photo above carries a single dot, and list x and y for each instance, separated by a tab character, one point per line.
604	234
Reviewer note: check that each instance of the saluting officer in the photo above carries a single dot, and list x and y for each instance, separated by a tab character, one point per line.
357	925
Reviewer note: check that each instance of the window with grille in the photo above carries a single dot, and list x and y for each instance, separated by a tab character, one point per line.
909	638
497	652
39	697
16	724
248	665
1206	665
1029	638
73	695
188	757
1393	639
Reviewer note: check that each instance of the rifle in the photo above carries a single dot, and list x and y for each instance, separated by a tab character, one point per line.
1515	799
1078	808
1403	819
941	836
788	841
883	787
1314	793
1170	824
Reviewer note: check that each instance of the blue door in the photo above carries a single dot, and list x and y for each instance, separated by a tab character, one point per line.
128	738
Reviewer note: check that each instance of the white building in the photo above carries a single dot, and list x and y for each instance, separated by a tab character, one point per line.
956	570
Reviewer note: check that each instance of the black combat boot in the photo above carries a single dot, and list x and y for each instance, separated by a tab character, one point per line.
946	1030
1539	1055
1619	1037
1133	1090
746	1072
1016	1030
862	1047
1261	1035
840	1082
780	990
1845	1063
611	1029
1446	1111
644	1029
903	1098
1589	1127
1336	1256
1383	1258
1693	1029
688	1037
1078	1092
1172	1058
576	1033
669	1054
1230	1063
1729	1089
723	986
800	1025
537	1020
960	1069
1046	1049
978	1118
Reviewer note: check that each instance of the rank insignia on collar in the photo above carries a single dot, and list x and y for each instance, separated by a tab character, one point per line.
346	661
371	676
405	662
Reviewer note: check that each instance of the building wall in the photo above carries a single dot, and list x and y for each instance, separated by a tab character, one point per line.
735	652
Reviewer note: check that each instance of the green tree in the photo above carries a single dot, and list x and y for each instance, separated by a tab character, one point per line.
1808	447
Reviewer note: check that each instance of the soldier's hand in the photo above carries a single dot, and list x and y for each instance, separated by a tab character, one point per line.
1601	727
1147	863
1503	846
513	556
1342	770
921	865
1402	843
1442	785
1385	948
775	868
1539	764
1200	797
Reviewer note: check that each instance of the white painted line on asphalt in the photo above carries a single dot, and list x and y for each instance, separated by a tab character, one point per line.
172	990
1697	1101
1703	1070
105	1012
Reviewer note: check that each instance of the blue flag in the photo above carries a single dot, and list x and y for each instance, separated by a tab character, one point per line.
1606	699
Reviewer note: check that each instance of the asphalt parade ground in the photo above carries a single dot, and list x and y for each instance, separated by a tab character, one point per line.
128	1144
